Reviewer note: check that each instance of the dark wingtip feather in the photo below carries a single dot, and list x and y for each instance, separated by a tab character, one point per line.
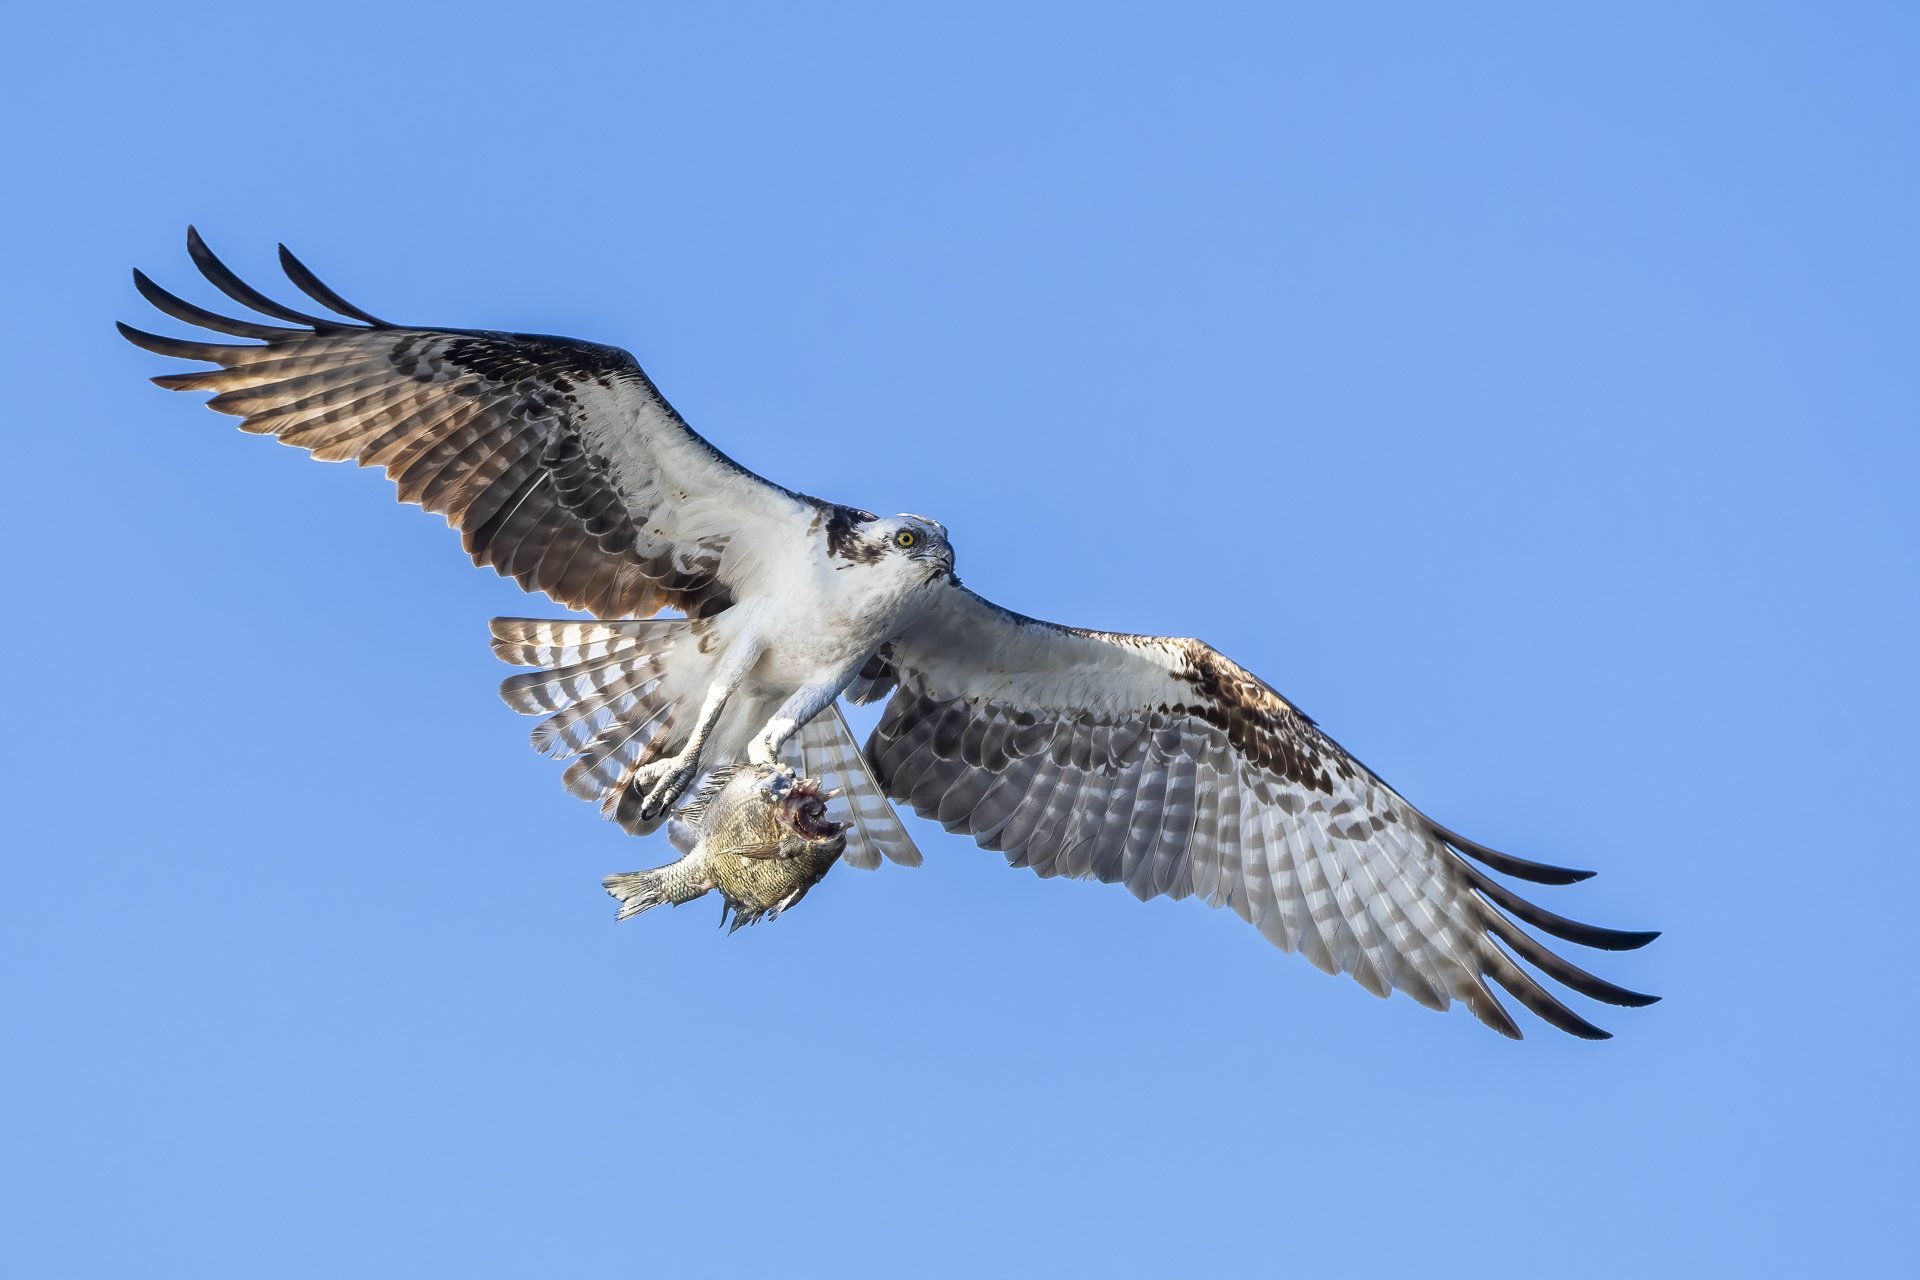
1501	968
1559	968
311	285
1587	935
180	309
224	279
1485	1006
1507	864
178	348
138	337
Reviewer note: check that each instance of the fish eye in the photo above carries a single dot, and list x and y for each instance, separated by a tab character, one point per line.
905	539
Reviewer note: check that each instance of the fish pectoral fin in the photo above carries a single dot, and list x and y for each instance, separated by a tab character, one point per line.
758	849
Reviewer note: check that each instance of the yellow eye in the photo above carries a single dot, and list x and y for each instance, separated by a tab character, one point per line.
905	539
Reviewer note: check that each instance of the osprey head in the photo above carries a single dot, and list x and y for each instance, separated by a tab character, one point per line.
917	542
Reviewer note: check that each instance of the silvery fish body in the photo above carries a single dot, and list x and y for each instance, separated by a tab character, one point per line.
759	837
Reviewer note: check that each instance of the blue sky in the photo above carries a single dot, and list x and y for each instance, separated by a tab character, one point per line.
1529	394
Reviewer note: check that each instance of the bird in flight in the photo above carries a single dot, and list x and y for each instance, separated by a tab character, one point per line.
1152	762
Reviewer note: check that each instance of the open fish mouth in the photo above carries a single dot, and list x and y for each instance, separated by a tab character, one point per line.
804	808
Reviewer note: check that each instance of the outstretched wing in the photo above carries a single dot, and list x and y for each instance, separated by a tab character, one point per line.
1163	765
558	460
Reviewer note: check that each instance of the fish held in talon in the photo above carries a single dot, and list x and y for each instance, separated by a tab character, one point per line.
756	836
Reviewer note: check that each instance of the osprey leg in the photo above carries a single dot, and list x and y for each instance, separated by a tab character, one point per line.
669	779
806	702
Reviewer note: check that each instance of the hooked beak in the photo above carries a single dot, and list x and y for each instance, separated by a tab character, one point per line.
943	559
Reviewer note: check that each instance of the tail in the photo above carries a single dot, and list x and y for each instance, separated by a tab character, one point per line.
673	884
616	692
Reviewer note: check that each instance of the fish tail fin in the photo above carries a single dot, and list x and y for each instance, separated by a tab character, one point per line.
638	891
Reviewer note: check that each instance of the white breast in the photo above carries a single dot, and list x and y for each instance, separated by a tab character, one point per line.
825	619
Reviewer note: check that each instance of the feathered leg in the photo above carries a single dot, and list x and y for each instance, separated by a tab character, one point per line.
808	701
668	779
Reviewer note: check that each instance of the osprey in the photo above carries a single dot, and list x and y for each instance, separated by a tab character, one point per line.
1151	762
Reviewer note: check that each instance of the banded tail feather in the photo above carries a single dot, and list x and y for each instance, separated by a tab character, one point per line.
613	696
829	752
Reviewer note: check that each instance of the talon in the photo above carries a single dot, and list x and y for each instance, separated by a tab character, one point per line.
677	775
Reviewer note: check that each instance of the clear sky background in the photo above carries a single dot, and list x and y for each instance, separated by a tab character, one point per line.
1529	394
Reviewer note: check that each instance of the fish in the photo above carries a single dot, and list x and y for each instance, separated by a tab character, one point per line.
760	837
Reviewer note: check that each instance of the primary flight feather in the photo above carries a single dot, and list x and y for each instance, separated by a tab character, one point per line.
1156	763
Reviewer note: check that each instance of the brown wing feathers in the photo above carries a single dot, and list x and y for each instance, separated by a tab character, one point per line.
481	427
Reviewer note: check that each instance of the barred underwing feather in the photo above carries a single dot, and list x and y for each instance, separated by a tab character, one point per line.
242	376
464	453
1205	838
1034	779
1050	798
268	404
1289	910
345	433
1172	869
1143	829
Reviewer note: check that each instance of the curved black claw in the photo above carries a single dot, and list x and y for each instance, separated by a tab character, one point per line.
668	790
